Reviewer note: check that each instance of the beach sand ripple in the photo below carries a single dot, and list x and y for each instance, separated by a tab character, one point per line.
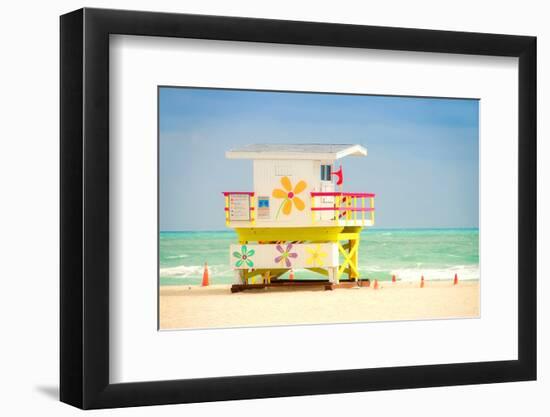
215	306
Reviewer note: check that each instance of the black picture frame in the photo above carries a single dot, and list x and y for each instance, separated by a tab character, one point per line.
84	216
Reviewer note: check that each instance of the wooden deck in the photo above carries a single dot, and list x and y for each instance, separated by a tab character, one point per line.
305	284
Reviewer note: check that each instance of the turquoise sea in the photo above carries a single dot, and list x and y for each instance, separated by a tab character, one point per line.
408	253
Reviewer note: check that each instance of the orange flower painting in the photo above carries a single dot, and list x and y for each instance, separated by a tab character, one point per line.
288	194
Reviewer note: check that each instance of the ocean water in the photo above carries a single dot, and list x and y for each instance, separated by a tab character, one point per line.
407	253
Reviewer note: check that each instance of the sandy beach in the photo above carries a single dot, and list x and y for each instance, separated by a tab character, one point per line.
215	306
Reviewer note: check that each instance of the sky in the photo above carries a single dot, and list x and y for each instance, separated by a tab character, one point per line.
422	163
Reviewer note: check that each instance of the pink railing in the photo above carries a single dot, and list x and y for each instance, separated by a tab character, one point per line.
350	208
340	194
228	193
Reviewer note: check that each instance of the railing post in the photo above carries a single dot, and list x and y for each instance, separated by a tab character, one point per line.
337	208
372	211
252	203
312	211
227	210
362	211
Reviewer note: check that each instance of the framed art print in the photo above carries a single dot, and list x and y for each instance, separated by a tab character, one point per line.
296	221
315	208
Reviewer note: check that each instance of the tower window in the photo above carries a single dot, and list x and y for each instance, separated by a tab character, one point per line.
326	171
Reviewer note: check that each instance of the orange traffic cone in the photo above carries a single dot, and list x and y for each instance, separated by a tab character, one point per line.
455	281
375	284
205	278
291	275
393	278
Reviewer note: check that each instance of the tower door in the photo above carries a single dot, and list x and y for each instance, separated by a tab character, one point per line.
327	186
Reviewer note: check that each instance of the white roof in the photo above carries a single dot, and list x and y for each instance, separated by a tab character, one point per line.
315	151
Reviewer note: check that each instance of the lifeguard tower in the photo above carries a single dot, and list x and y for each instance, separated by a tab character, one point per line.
297	216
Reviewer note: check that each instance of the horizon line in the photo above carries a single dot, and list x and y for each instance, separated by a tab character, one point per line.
374	228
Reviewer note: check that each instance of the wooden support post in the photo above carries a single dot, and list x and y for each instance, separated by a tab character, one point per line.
363	211
227	210
333	275
354	255
349	262
245	271
252	210
239	277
